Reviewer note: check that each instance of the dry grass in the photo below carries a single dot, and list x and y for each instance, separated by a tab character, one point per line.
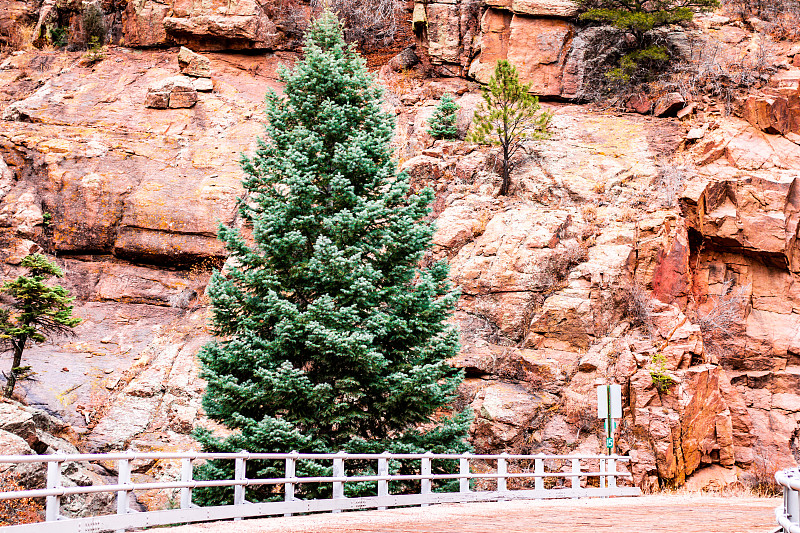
552	268
715	70
781	18
21	37
638	306
669	184
724	316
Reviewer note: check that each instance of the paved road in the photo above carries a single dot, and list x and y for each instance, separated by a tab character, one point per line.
646	514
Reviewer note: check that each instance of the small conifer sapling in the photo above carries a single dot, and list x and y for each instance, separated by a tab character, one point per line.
443	122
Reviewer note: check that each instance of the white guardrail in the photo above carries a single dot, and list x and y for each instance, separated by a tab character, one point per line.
605	469
788	515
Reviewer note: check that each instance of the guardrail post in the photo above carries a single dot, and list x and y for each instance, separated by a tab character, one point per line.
425	470
186	476
239	469
502	470
603	484
538	468
576	471
612	474
123	496
53	482
338	471
463	470
383	470
291	472
791	505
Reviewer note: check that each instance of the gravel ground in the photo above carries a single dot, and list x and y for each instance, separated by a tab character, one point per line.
645	514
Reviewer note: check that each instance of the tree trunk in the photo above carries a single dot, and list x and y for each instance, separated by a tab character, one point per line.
506	185
12	376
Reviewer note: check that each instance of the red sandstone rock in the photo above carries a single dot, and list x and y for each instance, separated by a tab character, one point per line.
669	105
639	103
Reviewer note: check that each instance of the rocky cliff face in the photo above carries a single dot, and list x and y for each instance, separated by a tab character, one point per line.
625	239
203	24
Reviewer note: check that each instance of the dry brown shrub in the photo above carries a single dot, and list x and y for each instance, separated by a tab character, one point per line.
579	412
781	18
638	306
669	184
714	70
724	317
373	22
21	511
762	477
552	268
21	37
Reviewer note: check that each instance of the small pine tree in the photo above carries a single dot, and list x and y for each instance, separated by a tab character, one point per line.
38	310
508	117
443	122
331	337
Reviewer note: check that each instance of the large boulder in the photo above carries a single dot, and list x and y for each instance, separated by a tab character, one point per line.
193	64
175	92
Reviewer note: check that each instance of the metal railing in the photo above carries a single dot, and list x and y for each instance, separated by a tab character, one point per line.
606	474
788	516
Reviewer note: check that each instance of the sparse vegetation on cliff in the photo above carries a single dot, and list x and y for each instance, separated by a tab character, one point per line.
722	318
331	337
659	373
645	53
93	25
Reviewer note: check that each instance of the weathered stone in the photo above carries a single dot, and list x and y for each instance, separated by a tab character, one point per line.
175	92
211	24
669	105
639	103
182	98
19	422
203	85
29	475
495	35
537	47
547	8
504	412
444	39
753	214
156	100
714	478
21	210
671	277
193	64
695	134
405	60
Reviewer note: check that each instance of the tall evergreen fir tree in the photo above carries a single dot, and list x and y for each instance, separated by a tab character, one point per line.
331	337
